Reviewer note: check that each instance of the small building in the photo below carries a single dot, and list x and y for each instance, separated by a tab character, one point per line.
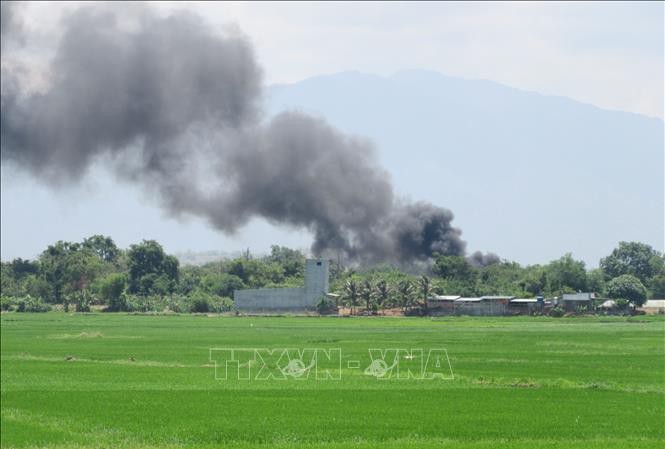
573	302
654	306
525	306
442	304
298	299
483	306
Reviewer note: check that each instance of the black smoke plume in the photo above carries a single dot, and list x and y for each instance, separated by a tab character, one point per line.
11	27
175	105
478	259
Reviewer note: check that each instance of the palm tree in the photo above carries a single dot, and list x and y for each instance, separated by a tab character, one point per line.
366	294
425	290
382	294
405	290
351	294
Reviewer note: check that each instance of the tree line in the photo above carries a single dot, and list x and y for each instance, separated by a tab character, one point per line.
78	275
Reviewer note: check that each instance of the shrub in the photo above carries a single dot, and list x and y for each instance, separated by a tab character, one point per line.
224	304
177	304
200	303
30	304
82	303
119	304
81	300
326	307
140	303
557	312
8	303
581	310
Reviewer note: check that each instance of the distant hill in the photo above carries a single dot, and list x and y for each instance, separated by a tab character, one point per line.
528	176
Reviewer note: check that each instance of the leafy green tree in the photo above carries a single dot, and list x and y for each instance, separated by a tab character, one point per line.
9	285
38	287
534	280
111	288
454	268
499	278
256	273
566	274
221	284
596	281
103	246
69	267
627	287
634	258
292	261
189	279
151	269
22	268
81	268
657	287
53	262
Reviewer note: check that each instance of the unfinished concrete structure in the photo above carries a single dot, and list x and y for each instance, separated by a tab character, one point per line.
288	299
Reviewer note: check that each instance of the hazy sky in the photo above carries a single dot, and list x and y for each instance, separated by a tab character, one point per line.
609	54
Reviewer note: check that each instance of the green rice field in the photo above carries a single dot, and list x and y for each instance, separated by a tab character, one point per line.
146	381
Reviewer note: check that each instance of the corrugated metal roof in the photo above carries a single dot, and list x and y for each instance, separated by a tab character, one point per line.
523	300
655	303
578	296
469	300
496	297
444	297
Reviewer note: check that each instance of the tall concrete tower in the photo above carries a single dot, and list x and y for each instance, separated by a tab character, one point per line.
316	280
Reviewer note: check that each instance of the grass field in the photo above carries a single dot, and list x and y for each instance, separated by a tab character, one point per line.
130	381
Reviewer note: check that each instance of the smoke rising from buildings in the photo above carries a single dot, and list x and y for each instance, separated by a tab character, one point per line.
175	106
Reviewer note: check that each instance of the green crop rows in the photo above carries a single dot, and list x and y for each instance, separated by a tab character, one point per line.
132	381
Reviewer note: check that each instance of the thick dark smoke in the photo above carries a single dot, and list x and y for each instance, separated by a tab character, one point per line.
479	259
11	27
174	105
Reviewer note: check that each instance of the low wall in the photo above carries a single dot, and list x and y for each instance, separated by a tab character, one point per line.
272	299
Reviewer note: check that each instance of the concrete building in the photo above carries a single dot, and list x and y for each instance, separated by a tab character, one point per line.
288	299
573	302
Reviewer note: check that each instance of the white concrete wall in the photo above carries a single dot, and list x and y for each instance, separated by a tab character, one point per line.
285	299
270	299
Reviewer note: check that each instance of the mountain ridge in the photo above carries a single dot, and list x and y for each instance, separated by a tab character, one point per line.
503	152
